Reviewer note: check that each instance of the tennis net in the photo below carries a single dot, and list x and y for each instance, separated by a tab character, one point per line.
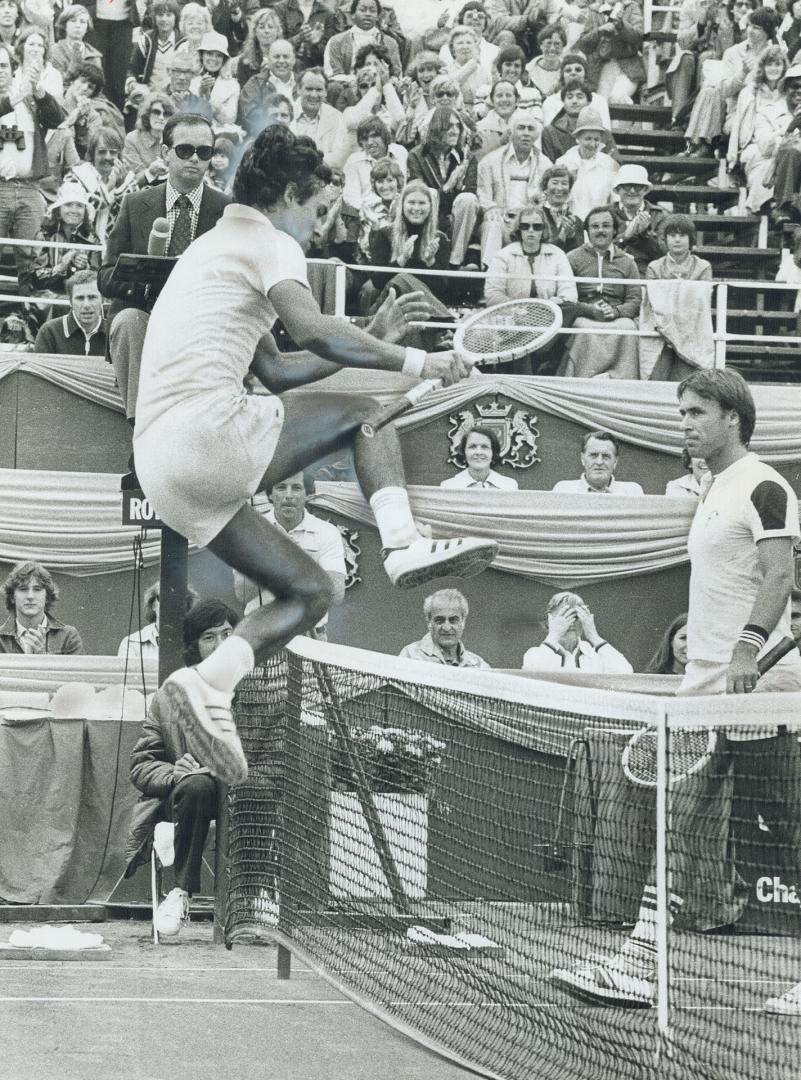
438	842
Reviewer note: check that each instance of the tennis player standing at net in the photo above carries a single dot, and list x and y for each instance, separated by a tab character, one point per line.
741	576
203	447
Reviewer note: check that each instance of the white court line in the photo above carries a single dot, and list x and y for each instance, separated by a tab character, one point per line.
57	1000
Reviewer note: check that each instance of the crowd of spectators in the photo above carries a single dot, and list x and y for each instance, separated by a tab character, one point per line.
444	123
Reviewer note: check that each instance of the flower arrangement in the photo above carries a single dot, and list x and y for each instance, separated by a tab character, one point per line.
394	759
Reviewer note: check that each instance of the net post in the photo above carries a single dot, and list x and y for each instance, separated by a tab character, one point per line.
221	866
289	814
662	901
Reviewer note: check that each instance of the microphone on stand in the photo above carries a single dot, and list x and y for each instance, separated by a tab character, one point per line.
157	241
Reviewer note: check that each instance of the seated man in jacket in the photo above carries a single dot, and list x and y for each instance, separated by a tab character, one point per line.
572	641
82	331
175	787
31	628
446	615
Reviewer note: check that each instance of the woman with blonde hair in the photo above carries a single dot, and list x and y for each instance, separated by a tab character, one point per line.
195	21
264	30
412	238
760	121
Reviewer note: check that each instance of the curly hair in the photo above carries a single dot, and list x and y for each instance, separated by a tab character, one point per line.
19	577
251	52
372	48
273	161
205	615
143	112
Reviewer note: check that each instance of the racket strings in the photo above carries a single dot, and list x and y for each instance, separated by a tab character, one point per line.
687	749
511	328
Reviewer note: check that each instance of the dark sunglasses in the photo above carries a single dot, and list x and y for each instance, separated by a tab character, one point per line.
531	226
185	150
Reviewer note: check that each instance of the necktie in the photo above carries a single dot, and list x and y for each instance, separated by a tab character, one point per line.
182	230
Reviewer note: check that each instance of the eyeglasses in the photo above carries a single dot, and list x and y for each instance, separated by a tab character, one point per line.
185	151
445	93
157	111
531	226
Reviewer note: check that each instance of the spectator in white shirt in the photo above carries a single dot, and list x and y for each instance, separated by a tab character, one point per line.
481	450
599	458
573	642
689	485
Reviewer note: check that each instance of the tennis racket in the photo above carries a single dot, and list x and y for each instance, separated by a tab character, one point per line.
500	333
691	748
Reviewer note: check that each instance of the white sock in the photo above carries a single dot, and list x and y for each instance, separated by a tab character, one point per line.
641	945
231	661
393	516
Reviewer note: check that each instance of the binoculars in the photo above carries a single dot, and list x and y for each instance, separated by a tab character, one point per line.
12	134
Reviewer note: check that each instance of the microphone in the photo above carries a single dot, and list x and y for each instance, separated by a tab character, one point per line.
157	241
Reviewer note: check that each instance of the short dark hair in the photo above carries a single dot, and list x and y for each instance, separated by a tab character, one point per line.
355	4
598	210
275	159
500	82
21	574
556	170
80	277
576	84
92	72
473	5
730	390
374	48
107	137
682	224
193	119
552	30
604	436
167	5
488	433
766	20
372	125
204	615
508	54
572	58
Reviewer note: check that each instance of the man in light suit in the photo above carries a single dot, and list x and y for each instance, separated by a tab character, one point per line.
508	178
319	120
184	134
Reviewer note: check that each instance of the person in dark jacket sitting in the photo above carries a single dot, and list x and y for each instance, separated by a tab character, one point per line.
82	331
412	240
30	594
175	786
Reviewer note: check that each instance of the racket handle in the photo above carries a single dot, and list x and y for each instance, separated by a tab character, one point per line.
399	407
774	655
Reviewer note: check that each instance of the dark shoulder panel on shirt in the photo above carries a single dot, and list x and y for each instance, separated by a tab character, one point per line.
770	502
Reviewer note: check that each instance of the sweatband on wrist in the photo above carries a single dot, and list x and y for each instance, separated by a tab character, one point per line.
754	634
413	363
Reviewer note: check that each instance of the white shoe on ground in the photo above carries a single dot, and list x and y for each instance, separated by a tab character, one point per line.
172	912
788	1004
204	715
615	982
462	556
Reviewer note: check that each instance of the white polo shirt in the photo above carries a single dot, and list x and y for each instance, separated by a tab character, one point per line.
583	487
746	503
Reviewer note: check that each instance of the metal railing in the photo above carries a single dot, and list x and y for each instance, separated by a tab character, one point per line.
719	300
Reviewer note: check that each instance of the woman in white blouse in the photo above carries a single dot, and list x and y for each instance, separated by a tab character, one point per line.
481	450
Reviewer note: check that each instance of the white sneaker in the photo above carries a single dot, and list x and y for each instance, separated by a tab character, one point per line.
172	912
204	715
164	842
789	1004
615	982
463	556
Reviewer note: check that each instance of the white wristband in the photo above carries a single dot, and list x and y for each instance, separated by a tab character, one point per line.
414	362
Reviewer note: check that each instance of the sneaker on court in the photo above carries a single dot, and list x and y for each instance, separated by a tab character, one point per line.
462	556
204	715
788	1004
172	912
615	982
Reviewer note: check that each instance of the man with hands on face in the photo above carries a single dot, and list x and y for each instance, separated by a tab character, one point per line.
573	642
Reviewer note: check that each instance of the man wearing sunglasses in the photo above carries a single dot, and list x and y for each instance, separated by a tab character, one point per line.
191	209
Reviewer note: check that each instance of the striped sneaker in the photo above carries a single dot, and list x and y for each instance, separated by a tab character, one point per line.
204	716
462	556
615	982
788	1004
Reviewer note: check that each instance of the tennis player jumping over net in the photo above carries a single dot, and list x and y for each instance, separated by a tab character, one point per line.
741	575
203	447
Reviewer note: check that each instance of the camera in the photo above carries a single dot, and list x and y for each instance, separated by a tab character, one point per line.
12	134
